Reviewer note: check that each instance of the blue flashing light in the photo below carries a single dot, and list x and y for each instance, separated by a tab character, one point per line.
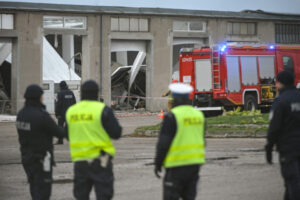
271	47
223	48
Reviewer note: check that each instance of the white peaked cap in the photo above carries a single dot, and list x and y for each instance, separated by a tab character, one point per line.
180	88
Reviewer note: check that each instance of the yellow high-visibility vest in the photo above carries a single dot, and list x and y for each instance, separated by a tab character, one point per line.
87	136
188	145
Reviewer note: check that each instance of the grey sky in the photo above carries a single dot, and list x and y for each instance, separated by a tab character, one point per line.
284	6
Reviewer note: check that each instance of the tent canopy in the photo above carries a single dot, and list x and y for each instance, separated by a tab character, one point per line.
54	67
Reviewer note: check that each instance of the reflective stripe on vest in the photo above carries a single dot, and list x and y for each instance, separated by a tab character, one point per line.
87	136
187	147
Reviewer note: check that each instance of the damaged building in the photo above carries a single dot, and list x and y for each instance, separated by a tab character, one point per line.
132	53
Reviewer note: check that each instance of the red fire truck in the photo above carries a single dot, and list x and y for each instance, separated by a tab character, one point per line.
237	74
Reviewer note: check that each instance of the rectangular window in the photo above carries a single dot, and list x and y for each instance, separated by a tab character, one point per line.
186	26
143	25
53	22
129	24
238	28
124	24
196	26
251	29
287	33
64	22
249	70
114	24
180	26
233	73
288	63
266	67
74	22
6	21
134	24
229	28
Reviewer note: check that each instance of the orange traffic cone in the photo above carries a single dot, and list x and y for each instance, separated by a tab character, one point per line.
160	115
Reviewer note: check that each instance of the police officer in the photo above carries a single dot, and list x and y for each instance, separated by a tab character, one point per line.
65	99
181	146
284	132
91	125
36	130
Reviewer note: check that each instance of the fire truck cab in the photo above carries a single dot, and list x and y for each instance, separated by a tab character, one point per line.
236	74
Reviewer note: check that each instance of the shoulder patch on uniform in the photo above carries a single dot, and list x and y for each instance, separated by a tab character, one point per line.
25	126
295	107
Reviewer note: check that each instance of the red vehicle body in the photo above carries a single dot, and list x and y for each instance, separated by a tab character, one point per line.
237	74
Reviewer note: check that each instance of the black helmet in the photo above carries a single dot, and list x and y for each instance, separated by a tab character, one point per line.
285	77
33	92
89	90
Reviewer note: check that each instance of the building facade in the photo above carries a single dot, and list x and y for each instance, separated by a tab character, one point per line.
159	33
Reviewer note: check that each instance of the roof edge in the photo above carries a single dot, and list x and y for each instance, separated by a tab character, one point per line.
246	14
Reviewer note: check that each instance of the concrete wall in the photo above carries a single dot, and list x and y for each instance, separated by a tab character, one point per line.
217	29
27	55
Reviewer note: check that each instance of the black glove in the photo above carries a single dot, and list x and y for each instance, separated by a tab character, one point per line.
269	155
157	172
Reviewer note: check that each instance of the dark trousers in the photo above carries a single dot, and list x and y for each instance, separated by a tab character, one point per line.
92	174
40	182
61	123
181	183
290	169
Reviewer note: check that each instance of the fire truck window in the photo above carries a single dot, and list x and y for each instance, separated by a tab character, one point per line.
249	70
288	63
266	67
233	73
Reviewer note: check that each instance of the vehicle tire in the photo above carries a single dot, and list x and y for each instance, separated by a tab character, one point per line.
250	103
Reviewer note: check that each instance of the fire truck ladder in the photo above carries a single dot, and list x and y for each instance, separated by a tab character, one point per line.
216	61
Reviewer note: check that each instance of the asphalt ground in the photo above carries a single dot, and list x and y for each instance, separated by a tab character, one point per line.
235	169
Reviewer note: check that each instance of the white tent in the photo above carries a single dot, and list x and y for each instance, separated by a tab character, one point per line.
55	70
54	67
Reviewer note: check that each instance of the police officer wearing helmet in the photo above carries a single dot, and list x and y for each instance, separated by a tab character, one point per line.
181	146
65	99
284	133
36	130
91	126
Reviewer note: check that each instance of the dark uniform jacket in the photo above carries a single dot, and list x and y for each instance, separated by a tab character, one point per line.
284	128
36	129
65	99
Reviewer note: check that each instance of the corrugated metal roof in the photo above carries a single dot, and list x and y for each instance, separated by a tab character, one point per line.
147	11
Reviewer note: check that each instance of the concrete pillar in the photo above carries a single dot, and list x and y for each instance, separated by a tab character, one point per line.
122	58
106	60
91	50
161	72
68	50
27	55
